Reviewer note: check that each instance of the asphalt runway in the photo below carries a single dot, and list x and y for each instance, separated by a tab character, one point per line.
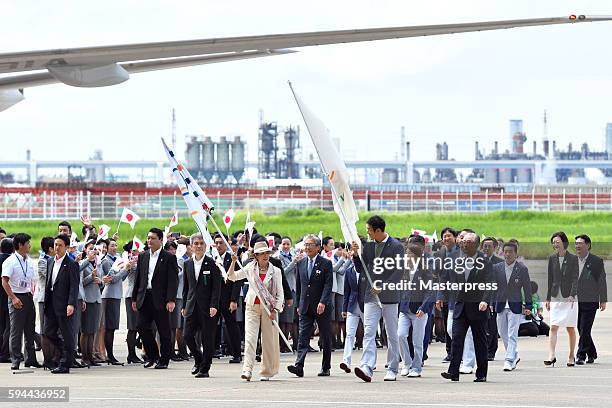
530	385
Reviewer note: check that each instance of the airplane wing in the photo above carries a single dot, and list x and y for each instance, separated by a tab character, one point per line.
110	65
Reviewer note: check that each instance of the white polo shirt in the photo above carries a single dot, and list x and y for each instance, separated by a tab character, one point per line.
20	272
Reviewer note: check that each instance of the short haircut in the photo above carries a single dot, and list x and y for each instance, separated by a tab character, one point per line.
46	244
376	222
493	240
514	241
170	244
220	235
586	239
195	236
468	230
183	241
20	239
64	238
65	224
449	229
103	241
2	231
326	240
562	237
6	246
511	245
158	232
414	249
313	237
417	240
286	237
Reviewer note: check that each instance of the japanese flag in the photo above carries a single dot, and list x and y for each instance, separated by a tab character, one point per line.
418	232
270	240
103	231
137	244
174	220
228	218
120	263
130	217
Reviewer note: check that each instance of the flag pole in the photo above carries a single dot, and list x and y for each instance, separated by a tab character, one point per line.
118	225
336	196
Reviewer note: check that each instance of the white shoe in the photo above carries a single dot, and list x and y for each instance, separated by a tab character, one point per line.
390	376
264	378
508	366
404	371
246	375
414	374
466	370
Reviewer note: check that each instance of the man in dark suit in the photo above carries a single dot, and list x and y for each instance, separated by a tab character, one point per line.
313	293
488	247
448	249
592	295
228	302
378	299
513	285
6	249
201	291
471	307
154	297
61	292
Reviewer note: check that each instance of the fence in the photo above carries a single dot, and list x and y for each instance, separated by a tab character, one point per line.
32	204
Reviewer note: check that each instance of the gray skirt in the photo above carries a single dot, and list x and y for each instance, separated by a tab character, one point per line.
132	316
90	318
112	313
175	316
288	313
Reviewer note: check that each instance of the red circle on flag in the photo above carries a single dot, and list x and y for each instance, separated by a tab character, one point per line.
227	219
129	217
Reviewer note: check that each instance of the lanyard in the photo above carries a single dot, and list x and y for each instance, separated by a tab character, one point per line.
25	273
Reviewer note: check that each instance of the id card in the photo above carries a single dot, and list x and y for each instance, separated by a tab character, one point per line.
23	284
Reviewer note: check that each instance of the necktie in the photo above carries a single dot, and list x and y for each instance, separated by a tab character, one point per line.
310	266
378	247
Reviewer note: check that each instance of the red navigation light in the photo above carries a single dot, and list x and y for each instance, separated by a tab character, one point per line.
572	17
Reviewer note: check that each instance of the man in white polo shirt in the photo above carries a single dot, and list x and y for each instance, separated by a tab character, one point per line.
17	281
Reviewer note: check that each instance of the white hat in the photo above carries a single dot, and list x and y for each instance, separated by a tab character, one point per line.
261	247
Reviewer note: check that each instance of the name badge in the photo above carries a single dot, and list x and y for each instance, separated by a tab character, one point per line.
206	272
23	284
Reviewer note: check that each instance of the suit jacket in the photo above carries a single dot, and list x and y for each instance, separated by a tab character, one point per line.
494	259
164	283
351	289
391	249
592	286
92	290
114	289
230	290
510	291
317	289
66	287
272	281
562	280
3	295
205	292
467	302
418	297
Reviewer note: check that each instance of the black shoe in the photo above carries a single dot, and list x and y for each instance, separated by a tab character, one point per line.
491	358
195	369
93	363
550	362
293	369
590	360
161	365
258	358
344	367
184	356
15	366
134	360
113	361
579	361
149	364
50	366
323	373
447	359
311	350
78	355
449	376
362	374
60	370
235	360
175	357
219	355
33	364
202	374
480	379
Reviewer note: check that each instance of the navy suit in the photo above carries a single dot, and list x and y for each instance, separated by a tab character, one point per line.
351	290
512	291
310	292
592	290
419	298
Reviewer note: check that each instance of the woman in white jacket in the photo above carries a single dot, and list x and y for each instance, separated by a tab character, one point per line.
256	317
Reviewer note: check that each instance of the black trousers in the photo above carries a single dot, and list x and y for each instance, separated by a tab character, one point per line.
233	331
586	347
59	330
207	326
492	340
461	325
447	337
5	330
147	314
306	326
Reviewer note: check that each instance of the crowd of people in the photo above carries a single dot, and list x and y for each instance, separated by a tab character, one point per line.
258	296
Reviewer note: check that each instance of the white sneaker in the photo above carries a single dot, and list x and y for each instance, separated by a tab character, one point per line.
466	370
246	375
508	366
404	371
414	374
264	378
390	376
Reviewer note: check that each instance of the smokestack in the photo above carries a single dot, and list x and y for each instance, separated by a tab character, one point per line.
535	151
554	150
495	148
476	153
546	148
407	151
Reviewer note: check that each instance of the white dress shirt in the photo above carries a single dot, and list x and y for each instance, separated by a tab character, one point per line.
153	257
197	266
57	263
20	272
581	263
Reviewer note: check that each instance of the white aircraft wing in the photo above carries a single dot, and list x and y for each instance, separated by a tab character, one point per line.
110	65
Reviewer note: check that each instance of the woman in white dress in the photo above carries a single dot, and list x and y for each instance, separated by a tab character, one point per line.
561	296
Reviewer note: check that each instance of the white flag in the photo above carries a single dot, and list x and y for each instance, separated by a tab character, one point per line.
228	218
249	225
120	263
130	217
434	236
74	240
103	231
165	239
174	220
336	171
137	244
418	232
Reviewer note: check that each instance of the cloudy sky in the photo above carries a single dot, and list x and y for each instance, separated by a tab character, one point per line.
457	88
